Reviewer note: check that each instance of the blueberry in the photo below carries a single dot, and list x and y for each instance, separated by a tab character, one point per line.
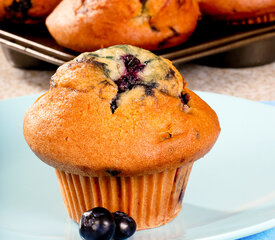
125	225
122	84
185	98
97	224
132	64
114	103
142	1
127	82
129	79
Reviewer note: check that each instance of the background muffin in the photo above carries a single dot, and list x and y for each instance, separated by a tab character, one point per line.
122	131
151	24
26	11
239	11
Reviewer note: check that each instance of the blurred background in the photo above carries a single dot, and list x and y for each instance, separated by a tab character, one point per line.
225	47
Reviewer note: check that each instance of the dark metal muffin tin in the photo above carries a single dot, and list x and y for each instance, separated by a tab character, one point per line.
211	44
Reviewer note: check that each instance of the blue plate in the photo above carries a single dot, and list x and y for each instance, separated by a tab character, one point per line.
230	194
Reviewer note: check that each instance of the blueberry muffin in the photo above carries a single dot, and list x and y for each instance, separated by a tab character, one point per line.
239	12
122	131
152	24
26	11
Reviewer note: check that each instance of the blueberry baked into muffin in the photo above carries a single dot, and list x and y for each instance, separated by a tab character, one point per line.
86	25
122	131
26	11
239	12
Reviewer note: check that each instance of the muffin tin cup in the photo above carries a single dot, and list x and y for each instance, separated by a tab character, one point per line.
210	38
151	200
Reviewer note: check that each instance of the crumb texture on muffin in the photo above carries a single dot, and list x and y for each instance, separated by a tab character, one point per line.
152	24
119	111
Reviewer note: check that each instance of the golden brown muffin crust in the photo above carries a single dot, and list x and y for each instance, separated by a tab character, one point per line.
89	123
151	24
229	10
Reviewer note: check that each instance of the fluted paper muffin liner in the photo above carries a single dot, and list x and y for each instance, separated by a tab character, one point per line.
151	200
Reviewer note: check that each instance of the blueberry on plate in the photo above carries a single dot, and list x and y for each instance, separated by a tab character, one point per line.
97	224
125	225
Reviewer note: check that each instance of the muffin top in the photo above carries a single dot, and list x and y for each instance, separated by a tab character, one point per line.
152	24
119	111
